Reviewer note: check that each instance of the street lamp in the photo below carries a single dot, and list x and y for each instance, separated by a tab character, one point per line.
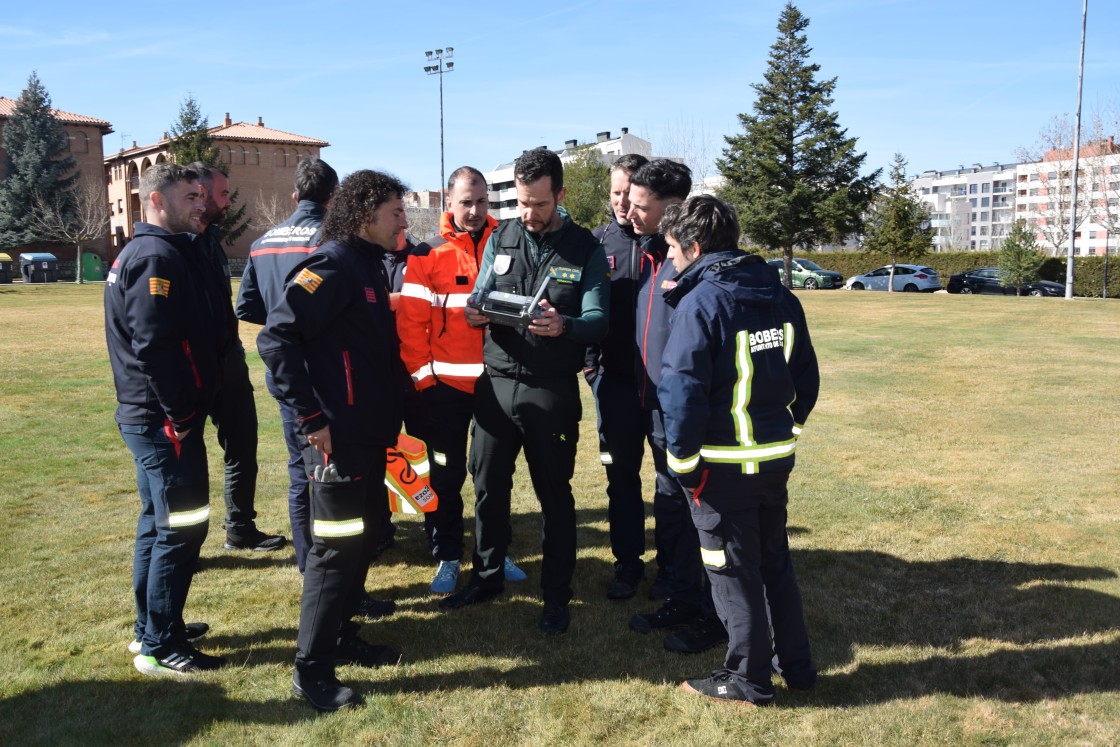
441	66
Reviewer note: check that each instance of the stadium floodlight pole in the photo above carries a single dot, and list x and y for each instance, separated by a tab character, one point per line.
440	67
1076	158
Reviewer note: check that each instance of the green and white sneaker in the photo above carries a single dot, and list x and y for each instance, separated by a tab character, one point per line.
194	631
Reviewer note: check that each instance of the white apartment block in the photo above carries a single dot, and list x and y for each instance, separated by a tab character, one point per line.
503	196
974	208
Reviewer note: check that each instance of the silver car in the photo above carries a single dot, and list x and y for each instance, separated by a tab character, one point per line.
907	278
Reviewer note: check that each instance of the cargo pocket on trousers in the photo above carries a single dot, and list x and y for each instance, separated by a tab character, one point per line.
707	521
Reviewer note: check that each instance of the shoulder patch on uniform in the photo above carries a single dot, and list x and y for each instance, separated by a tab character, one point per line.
502	263
307	280
159	287
668	285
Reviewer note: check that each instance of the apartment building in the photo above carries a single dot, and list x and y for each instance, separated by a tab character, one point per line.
974	208
503	196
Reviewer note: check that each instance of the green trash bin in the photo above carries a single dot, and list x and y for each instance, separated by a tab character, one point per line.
92	267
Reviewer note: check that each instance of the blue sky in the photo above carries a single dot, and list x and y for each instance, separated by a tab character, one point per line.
945	83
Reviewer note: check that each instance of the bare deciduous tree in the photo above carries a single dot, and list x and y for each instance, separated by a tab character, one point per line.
1052	157
692	143
269	210
83	218
1103	170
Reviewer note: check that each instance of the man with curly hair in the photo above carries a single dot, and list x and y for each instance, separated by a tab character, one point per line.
332	348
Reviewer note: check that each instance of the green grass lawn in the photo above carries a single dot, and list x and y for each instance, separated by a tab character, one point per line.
954	519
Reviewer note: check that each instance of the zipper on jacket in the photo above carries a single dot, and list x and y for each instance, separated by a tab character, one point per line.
190	359
349	377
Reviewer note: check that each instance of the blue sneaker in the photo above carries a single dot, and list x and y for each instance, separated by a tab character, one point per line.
447	577
513	573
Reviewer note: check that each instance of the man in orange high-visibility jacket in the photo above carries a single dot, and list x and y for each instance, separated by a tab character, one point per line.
444	356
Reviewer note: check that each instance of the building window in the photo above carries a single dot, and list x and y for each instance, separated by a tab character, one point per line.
972	231
280	158
972	201
1034	178
972	189
925	190
983	217
1033	192
66	141
986	187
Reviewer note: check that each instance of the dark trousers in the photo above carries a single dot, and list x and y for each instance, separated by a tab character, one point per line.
621	448
344	525
444	427
741	520
678	547
235	417
174	486
299	495
542	417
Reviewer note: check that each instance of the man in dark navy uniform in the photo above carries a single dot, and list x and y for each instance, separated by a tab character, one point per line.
331	345
161	310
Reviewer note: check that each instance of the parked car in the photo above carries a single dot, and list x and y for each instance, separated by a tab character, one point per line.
986	280
808	274
908	278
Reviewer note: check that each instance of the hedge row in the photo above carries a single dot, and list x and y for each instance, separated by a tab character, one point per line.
1088	272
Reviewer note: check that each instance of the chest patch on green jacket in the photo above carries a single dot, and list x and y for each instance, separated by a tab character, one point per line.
565	274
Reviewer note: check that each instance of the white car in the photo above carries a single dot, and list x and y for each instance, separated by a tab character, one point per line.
907	278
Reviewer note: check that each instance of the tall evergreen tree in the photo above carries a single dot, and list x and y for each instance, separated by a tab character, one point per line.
40	170
1019	257
894	225
794	174
588	181
190	141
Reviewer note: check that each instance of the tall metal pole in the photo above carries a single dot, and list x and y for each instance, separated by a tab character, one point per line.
441	67
1076	157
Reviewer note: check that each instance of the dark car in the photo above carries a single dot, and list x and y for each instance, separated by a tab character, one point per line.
808	274
986	280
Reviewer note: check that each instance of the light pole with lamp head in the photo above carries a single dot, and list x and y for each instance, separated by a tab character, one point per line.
441	66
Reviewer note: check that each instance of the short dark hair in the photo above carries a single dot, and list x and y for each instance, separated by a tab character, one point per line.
664	178
161	176
468	173
538	163
315	180
629	163
205	172
356	200
704	220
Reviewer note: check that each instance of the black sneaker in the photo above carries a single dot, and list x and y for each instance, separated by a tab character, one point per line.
669	615
254	539
469	595
555	618
325	694
193	631
697	638
720	686
353	650
372	609
183	662
627	576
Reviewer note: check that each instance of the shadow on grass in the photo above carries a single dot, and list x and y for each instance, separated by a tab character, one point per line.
83	712
228	559
855	602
